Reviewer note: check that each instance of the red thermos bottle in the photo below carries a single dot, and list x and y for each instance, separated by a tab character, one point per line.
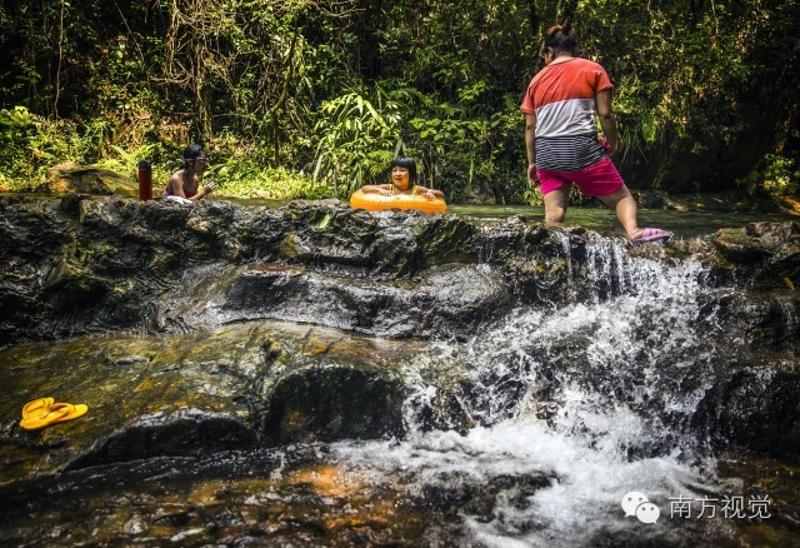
145	181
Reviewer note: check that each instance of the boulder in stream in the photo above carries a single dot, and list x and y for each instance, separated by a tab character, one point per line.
241	387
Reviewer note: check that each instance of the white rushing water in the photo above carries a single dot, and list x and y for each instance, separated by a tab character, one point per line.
609	369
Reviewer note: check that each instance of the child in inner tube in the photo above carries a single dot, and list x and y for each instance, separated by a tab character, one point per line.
403	177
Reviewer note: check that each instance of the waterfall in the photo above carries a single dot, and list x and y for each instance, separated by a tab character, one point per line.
595	395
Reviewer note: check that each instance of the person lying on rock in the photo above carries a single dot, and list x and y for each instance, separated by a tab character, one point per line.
560	106
185	182
403	177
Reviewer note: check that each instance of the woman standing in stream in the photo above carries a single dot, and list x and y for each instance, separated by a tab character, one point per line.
561	141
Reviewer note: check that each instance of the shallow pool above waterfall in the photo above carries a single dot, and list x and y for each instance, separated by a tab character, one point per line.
684	224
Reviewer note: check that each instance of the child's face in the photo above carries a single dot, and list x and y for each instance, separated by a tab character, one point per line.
400	177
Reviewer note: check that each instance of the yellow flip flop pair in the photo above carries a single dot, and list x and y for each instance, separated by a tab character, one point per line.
43	412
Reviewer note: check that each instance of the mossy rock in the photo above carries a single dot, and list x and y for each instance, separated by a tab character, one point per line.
328	403
236	388
73	178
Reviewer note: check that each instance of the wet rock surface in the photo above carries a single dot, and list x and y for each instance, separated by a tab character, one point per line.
224	349
80	265
238	388
756	408
768	252
332	403
286	497
441	300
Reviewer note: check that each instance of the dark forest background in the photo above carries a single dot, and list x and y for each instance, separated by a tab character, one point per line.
314	97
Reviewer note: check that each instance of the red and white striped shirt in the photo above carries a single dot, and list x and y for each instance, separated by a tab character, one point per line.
562	95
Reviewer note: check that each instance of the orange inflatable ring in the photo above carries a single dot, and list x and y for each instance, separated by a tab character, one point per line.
379	202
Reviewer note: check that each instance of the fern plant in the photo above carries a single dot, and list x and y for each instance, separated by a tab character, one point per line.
356	140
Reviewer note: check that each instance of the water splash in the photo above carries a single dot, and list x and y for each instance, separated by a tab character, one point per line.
595	396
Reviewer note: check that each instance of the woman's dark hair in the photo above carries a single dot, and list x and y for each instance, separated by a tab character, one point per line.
192	152
406	163
559	39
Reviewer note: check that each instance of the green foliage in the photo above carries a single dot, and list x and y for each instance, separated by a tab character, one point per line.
532	197
698	86
125	161
31	144
704	91
356	139
777	175
243	178
781	175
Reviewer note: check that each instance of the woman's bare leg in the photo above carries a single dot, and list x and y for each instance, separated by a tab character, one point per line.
555	205
624	204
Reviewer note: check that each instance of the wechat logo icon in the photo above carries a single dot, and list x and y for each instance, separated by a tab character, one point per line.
636	504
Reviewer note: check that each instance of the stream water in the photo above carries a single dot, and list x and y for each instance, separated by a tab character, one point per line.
562	413
684	224
583	394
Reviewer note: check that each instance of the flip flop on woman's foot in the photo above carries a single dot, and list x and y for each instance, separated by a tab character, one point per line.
651	235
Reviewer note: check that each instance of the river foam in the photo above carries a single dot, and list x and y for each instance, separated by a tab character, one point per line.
609	369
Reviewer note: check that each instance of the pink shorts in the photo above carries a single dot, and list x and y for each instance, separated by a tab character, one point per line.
599	179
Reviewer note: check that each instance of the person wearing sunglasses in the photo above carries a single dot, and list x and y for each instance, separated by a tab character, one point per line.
185	182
